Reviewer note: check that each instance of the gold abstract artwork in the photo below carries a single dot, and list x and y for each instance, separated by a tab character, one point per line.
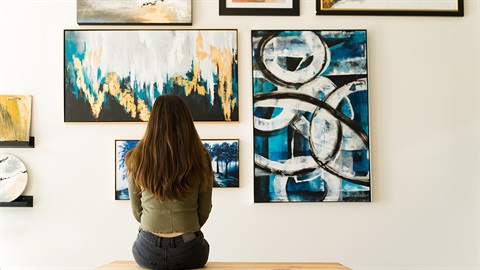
15	117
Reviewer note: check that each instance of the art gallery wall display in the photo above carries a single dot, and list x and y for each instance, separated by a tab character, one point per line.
169	12
311	116
15	118
225	164
116	75
13	177
390	7
260	7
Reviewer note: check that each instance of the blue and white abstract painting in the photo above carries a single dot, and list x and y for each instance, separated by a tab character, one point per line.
311	118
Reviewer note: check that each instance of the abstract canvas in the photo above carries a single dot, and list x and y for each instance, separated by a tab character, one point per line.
311	118
15	117
225	165
116	75
173	12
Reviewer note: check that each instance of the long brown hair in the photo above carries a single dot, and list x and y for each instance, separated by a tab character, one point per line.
170	159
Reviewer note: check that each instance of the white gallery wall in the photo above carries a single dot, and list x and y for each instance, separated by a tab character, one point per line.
424	123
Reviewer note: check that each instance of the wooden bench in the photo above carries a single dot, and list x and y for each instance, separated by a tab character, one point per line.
131	265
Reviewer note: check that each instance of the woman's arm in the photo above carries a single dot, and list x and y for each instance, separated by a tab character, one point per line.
204	204
135	198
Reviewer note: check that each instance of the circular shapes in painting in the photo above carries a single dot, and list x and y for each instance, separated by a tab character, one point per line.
288	65
13	177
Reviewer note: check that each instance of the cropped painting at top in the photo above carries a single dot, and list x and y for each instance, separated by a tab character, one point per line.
116	75
311	118
173	12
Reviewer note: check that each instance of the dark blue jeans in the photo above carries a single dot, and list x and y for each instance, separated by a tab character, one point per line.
154	252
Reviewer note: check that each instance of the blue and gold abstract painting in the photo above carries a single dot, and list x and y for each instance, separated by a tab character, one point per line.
224	155
311	116
116	75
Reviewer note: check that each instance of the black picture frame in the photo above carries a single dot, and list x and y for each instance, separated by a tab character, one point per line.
321	10
252	11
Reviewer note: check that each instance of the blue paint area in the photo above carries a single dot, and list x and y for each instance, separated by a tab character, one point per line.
350	187
361	162
309	191
263	85
348	54
278	146
121	150
359	101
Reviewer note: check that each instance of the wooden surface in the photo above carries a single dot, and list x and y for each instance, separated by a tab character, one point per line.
131	265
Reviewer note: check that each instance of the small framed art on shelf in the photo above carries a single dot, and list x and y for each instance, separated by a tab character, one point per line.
260	7
391	7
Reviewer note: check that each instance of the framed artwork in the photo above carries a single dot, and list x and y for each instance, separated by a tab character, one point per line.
116	75
15	117
260	7
225	164
391	7
178	12
311	116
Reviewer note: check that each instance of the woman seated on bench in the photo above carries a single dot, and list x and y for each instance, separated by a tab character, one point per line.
170	181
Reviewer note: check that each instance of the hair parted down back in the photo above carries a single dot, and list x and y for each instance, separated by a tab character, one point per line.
170	158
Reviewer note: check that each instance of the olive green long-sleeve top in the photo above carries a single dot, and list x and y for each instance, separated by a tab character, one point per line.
187	214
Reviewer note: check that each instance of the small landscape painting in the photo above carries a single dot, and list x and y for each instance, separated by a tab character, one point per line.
225	165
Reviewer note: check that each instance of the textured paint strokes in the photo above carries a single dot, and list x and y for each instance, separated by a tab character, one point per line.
151	63
311	139
15	117
224	60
